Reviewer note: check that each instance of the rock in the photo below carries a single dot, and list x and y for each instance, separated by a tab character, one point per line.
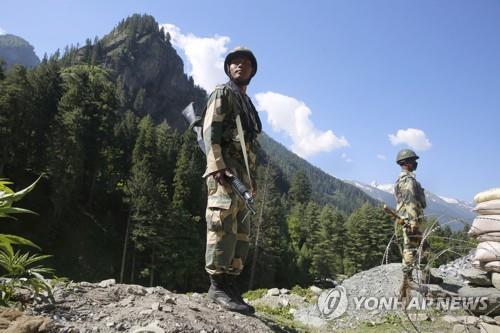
126	301
476	277
110	324
450	319
488	320
309	316
418	316
28	324
169	299
488	328
284	302
107	283
136	290
284	291
469	320
495	280
156	306
273	292
85	284
497	319
146	312
465	329
489	296
315	290
148	329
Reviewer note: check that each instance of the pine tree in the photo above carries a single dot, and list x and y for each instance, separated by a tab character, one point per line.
327	254
83	127
300	190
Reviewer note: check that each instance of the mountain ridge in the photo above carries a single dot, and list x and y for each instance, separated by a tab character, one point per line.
449	211
15	50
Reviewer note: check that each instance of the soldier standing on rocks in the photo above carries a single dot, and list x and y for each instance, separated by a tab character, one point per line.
410	198
230	128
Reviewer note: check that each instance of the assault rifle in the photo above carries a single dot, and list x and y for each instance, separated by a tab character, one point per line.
239	188
394	215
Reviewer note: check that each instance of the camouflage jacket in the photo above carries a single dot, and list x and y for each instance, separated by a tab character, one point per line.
221	135
410	197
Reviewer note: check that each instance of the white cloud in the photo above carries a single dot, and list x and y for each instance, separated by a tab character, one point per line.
346	158
381	157
204	54
415	138
2	32
291	116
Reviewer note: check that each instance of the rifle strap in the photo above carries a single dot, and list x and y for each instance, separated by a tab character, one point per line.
241	137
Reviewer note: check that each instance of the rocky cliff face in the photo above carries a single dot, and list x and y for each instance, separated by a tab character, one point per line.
148	71
15	50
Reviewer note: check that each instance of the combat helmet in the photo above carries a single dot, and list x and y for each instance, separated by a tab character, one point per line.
406	154
240	51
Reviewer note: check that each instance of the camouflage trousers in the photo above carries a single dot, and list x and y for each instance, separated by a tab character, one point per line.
227	233
412	237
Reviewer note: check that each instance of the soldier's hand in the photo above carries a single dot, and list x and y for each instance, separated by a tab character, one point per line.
220	176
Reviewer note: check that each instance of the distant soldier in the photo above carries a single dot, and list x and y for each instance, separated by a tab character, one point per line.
230	128
410	198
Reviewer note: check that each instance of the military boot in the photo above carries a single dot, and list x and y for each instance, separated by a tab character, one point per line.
235	292
217	293
429	278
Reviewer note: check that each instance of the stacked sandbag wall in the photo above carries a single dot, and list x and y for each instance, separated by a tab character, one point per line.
486	229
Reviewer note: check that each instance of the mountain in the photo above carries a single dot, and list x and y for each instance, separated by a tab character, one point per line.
449	211
147	69
15	50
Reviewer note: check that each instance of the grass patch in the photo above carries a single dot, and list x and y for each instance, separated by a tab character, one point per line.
252	295
283	312
304	292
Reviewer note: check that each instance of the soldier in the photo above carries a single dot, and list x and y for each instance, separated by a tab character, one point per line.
410	198
227	229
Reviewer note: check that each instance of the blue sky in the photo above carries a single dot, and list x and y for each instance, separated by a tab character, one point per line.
336	78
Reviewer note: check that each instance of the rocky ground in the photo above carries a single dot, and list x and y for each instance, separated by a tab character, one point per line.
110	307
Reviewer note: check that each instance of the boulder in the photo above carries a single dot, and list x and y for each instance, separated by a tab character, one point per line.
495	280
489	299
476	277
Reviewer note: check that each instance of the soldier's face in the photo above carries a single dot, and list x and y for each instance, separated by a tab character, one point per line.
240	69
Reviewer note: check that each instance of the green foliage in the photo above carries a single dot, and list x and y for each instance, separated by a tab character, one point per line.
18	270
300	190
304	292
283	312
252	295
368	231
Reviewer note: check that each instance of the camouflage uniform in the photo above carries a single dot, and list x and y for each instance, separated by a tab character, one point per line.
227	234
410	198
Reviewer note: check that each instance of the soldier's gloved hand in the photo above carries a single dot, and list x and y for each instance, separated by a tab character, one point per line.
220	176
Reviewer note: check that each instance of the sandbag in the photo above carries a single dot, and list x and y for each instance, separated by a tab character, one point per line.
490	207
492	266
487	251
484	224
491	236
492	194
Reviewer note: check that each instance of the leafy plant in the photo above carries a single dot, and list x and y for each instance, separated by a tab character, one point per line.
19	270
